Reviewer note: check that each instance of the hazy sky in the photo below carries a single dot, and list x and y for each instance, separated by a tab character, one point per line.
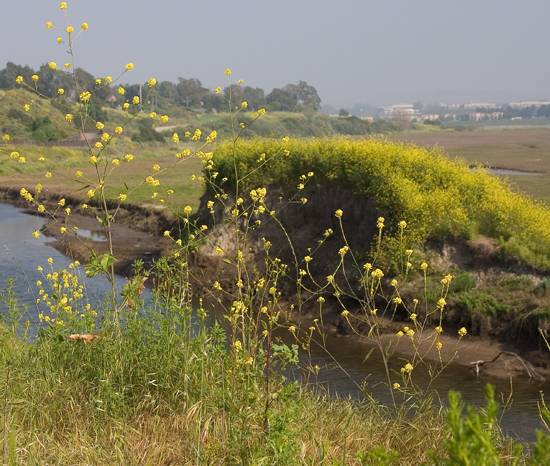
378	52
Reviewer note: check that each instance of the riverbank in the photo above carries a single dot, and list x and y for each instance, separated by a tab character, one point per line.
138	235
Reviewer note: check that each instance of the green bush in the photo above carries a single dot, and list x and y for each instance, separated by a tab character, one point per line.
480	303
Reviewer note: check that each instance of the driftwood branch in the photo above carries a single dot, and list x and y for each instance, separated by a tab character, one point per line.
529	368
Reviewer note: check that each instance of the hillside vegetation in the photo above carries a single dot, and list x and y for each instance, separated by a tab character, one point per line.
42	123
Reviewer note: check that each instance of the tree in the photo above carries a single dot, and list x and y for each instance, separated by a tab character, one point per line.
281	100
305	94
11	71
255	97
191	93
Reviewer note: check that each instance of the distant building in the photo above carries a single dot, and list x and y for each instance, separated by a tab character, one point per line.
401	112
480	105
529	103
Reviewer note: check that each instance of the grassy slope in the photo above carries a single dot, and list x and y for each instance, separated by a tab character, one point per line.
15	121
153	396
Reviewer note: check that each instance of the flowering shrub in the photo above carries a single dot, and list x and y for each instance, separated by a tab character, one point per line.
438	197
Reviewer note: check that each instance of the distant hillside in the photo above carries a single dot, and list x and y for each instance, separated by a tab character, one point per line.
42	123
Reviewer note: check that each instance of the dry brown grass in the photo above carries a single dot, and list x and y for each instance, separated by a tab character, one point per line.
518	149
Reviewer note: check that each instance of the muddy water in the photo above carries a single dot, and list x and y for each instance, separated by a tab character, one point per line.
20	254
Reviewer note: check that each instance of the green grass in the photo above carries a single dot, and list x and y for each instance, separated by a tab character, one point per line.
63	163
156	393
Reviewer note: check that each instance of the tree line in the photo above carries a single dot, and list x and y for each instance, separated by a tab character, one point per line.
187	93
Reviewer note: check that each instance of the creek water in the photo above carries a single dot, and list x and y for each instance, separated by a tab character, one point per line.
20	254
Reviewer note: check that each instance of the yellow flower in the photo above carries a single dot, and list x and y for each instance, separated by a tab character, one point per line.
122	197
152	82
187	210
50	260
36	234
60	91
63	6
69	29
125	106
396	386
49	25
121	90
63	230
59	40
115	162
244	105
339	213
84	26
218	90
128	157
27	107
164	118
119	130
135	100
129	66
228	72
48	174
402	224
407	368
462	332
78	174
52	65
85	97
99	125
424	266
156	167
35	77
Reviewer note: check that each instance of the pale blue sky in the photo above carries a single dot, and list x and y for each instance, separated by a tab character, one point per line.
377	52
